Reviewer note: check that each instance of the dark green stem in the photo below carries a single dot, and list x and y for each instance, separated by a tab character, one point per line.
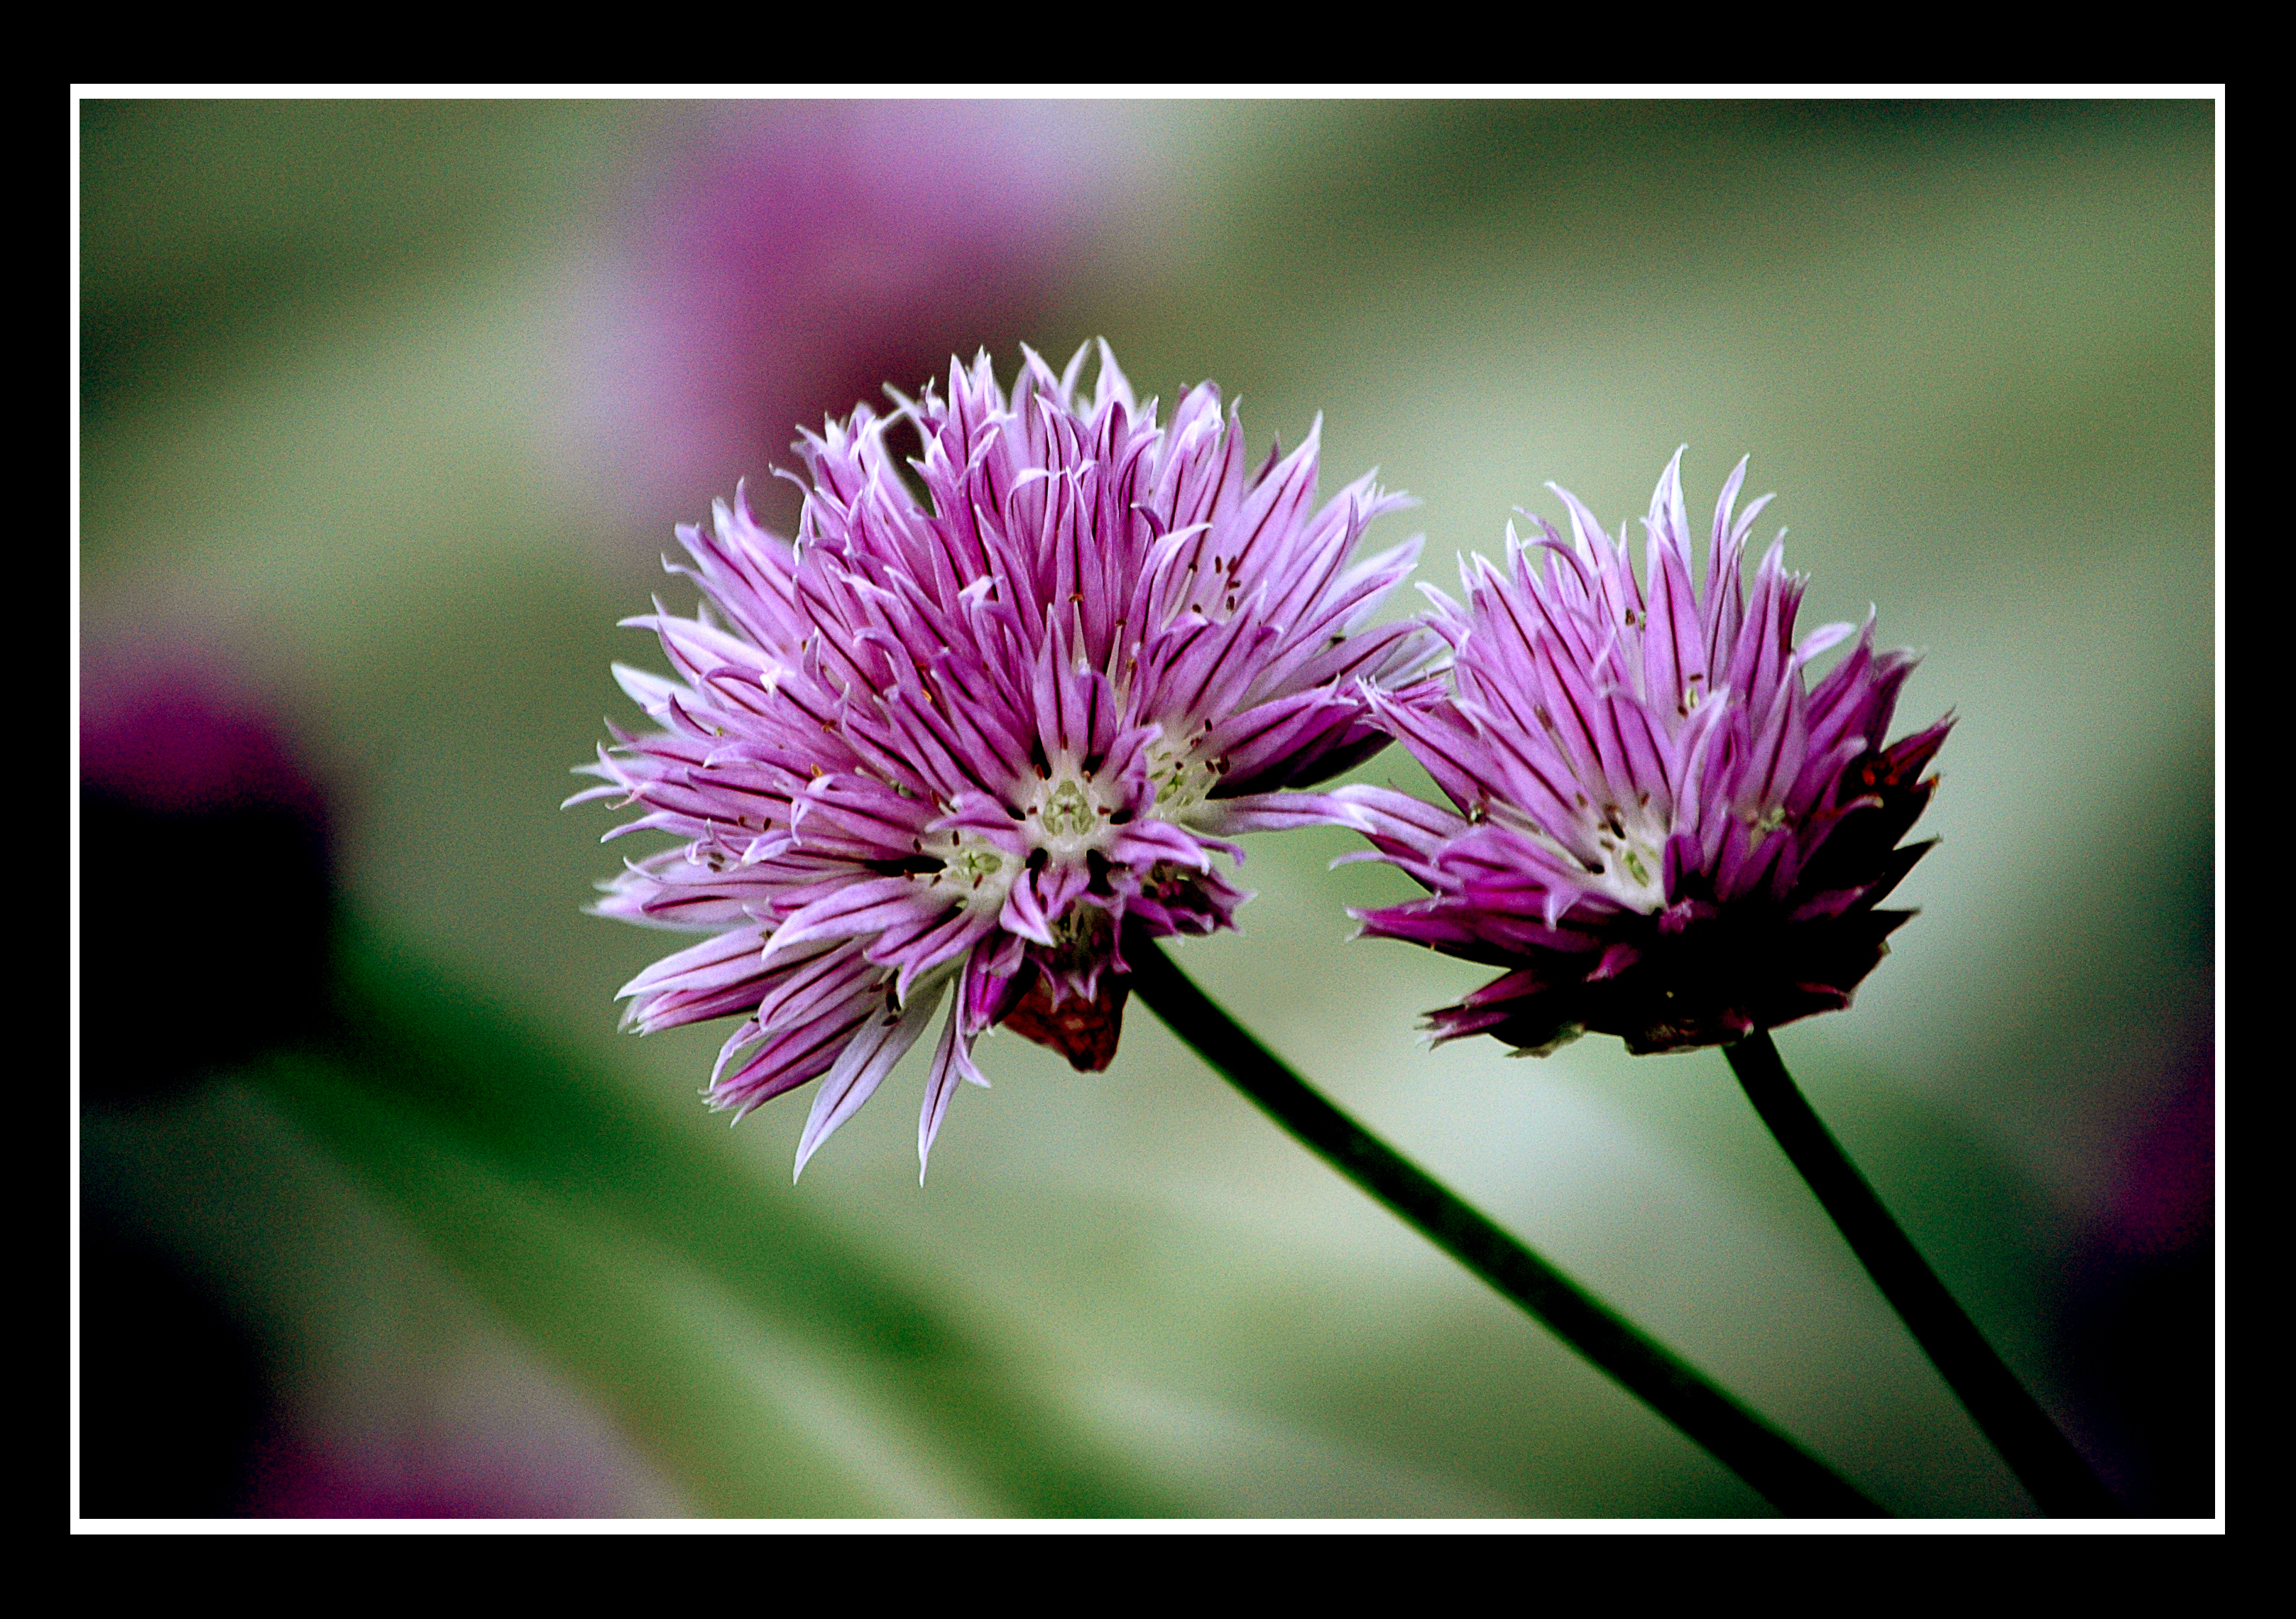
1791	1479
2009	1416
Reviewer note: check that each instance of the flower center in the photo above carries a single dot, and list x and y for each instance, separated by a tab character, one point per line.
1634	868
1080	934
973	871
1072	818
1181	779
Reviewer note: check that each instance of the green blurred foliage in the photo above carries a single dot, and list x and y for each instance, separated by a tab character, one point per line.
327	363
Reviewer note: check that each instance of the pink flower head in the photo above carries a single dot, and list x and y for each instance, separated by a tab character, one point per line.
959	747
1662	830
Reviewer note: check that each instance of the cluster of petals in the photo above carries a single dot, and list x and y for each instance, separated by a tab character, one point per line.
960	746
1660	828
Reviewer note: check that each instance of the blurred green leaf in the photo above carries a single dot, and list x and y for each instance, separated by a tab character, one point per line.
593	1301
424	1061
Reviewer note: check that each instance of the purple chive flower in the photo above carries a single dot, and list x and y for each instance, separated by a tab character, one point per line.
955	749
1663	831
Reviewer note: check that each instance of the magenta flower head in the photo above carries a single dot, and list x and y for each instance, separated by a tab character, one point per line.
1663	831
958	748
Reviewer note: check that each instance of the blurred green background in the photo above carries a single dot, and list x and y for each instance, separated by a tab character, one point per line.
349	422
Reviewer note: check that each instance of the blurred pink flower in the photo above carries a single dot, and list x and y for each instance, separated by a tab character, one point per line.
790	257
185	768
179	734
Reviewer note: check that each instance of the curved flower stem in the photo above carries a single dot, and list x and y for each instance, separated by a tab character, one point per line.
2009	1416
1793	1481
